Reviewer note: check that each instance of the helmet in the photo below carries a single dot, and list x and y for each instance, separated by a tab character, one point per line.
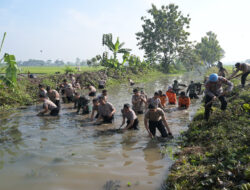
213	77
169	87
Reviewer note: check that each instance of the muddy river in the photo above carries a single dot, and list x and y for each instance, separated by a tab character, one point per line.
70	153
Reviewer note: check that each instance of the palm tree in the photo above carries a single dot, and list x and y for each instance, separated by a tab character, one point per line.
107	40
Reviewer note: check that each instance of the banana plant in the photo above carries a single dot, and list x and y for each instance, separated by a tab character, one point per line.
116	47
11	68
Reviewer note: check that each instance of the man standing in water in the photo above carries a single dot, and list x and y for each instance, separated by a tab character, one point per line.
48	106
155	100
214	90
137	101
106	111
155	118
192	90
53	96
245	68
132	121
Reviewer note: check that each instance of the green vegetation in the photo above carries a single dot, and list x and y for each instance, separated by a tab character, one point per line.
215	154
164	35
53	70
209	49
128	63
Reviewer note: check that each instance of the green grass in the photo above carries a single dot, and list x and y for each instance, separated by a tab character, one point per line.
216	153
53	70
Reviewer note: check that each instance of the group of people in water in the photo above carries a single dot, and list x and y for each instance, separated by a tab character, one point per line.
152	108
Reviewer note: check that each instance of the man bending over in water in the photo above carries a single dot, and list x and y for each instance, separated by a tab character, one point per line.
132	121
155	118
48	106
106	111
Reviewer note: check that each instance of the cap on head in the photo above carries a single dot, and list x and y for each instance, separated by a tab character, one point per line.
135	90
182	93
40	86
151	106
213	77
237	65
48	88
156	93
42	96
169	87
95	100
126	106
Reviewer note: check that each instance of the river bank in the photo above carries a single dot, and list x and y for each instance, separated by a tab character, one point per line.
215	154
25	93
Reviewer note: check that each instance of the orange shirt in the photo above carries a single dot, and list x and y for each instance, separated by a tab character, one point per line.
171	97
163	100
184	101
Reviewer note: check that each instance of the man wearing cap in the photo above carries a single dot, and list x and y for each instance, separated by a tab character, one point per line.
132	121
192	91
106	111
155	118
214	90
245	68
137	101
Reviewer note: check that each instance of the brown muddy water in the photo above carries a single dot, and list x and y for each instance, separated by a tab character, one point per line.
70	153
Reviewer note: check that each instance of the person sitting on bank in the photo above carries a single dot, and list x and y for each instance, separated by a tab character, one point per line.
102	84
245	68
155	118
155	100
222	71
176	87
48	106
184	101
214	90
163	98
137	101
81	102
106	111
171	96
104	94
132	120
92	90
42	91
131	82
96	104
192	91
54	96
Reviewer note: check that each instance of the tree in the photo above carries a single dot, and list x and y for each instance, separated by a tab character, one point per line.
209	49
107	40
189	58
164	35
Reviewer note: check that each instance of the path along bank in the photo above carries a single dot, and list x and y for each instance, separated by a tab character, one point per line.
215	154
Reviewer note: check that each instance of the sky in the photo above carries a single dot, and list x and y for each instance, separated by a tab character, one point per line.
67	29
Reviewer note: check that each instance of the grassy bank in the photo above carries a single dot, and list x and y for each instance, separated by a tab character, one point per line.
54	69
26	92
215	154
